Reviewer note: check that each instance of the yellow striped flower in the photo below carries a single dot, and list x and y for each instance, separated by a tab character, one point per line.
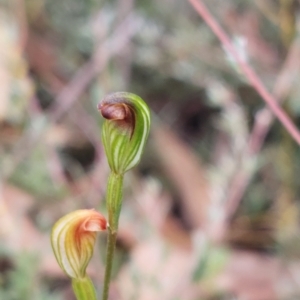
125	130
73	238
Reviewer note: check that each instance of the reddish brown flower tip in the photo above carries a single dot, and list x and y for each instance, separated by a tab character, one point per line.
120	112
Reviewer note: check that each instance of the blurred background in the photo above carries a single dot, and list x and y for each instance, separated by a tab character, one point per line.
212	211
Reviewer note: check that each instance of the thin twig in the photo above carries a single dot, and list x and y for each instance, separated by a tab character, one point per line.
263	121
247	70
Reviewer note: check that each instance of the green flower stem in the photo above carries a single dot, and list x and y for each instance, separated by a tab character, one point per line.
111	242
114	204
114	199
84	289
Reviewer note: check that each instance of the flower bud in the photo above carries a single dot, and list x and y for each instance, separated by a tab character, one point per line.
73	238
125	130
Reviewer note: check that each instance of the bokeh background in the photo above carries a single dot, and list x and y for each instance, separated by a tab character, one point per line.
212	211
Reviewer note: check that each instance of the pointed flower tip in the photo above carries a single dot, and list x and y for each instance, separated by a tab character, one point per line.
73	238
125	129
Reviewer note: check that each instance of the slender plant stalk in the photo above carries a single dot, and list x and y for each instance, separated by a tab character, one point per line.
114	199
114	203
84	289
111	242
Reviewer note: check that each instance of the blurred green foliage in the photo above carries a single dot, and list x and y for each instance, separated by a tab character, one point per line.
21	280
